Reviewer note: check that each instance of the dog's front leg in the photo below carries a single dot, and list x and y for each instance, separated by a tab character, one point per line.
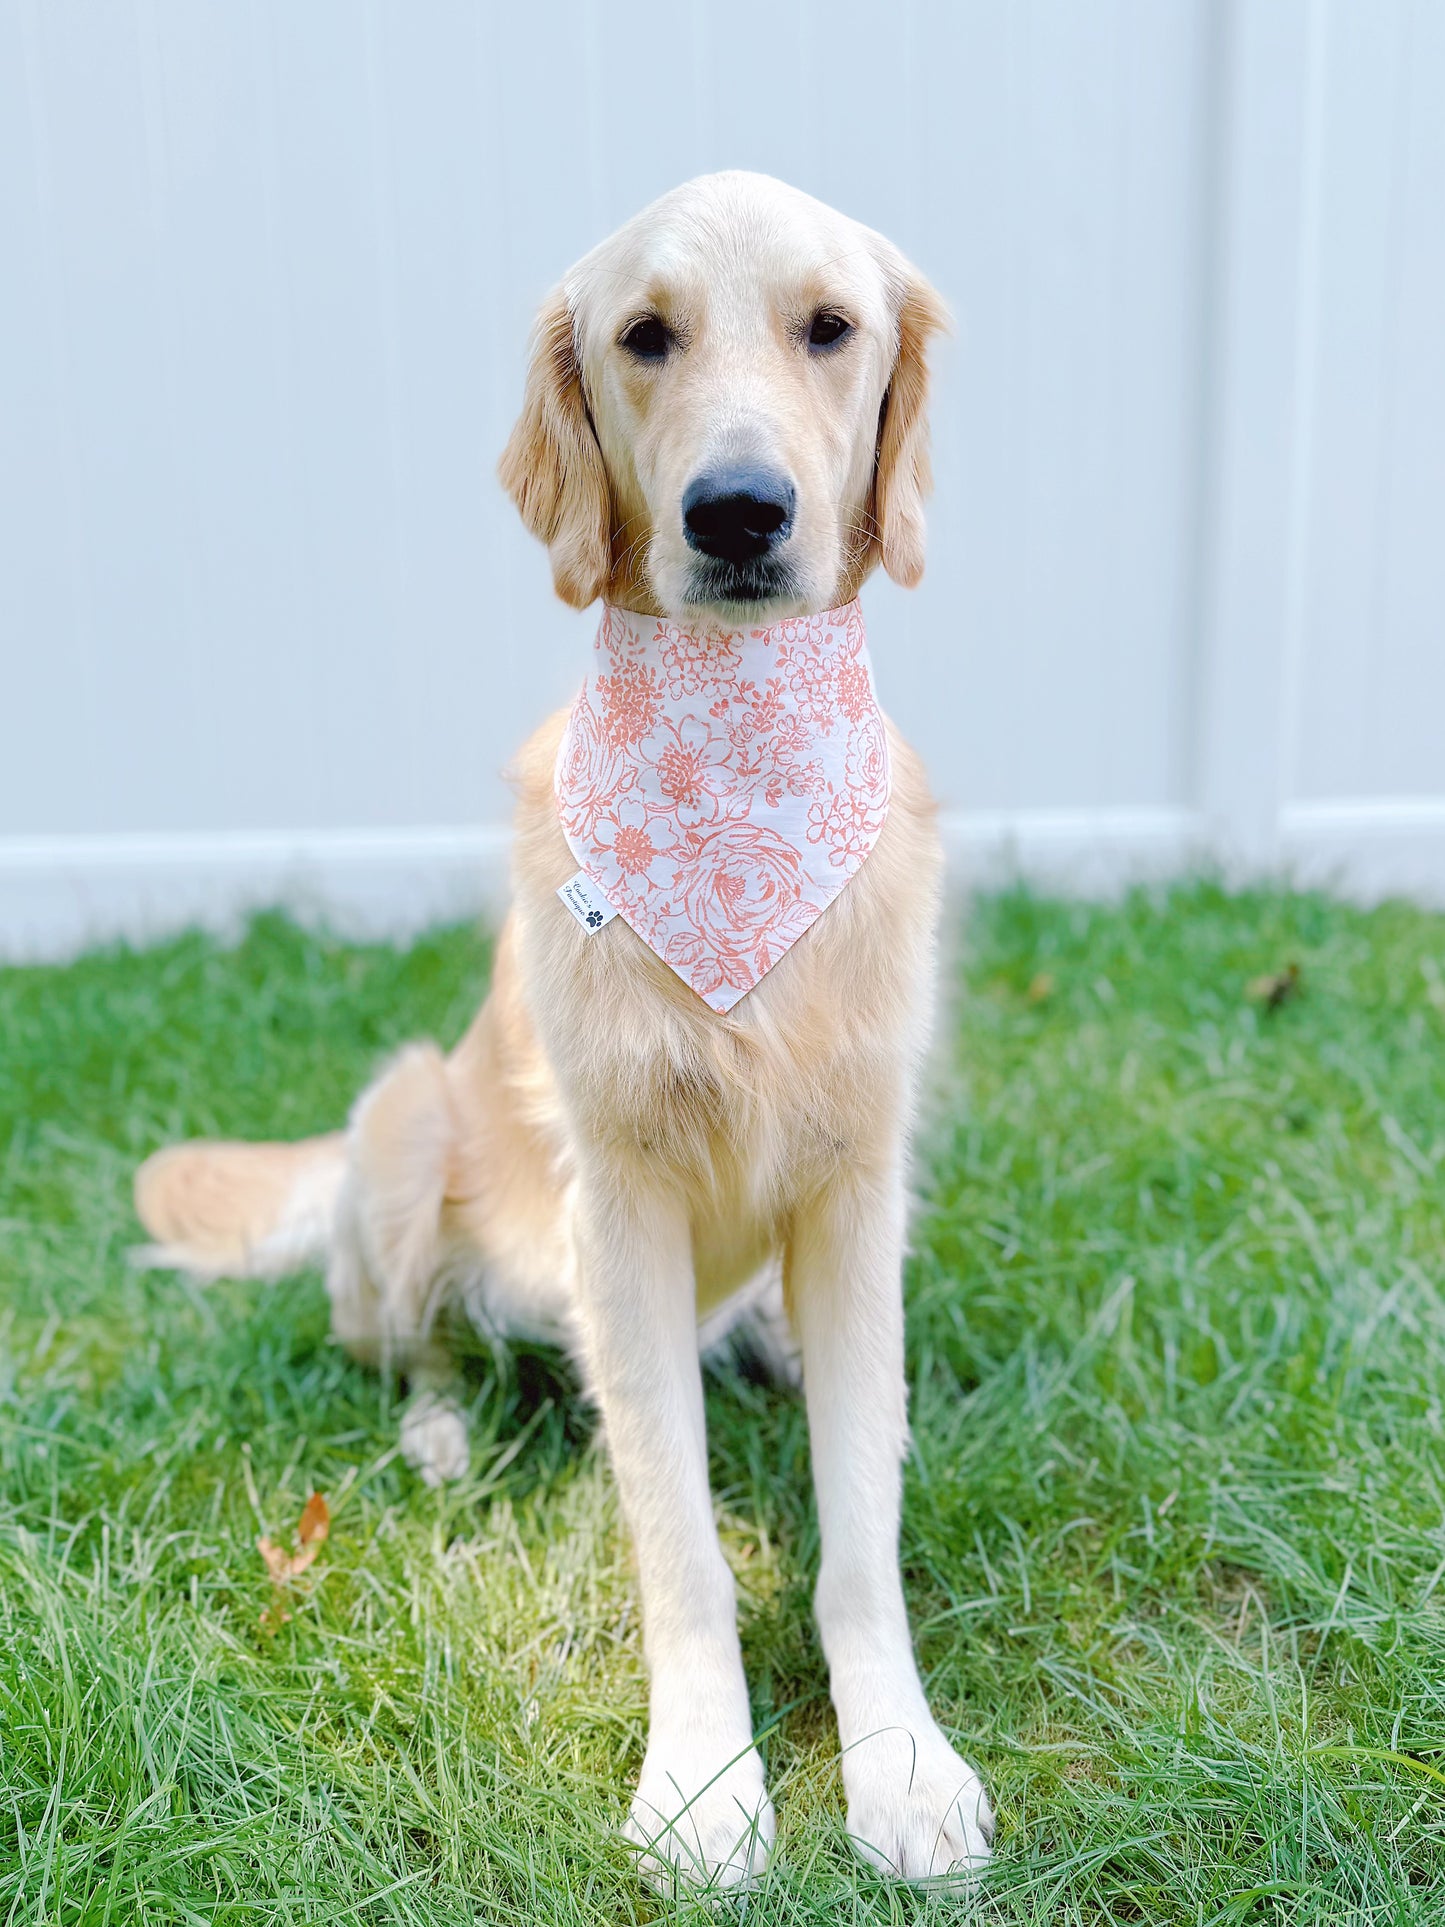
914	1807
701	1809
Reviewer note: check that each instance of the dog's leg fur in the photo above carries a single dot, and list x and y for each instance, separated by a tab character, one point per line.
366	1204
701	1806
385	1272
914	1807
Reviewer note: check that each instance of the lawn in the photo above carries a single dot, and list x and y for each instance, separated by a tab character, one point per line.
1174	1532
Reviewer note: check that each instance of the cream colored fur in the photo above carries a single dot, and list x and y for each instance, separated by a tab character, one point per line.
602	1159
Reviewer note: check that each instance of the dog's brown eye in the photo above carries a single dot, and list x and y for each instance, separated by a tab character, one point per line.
828	329
647	339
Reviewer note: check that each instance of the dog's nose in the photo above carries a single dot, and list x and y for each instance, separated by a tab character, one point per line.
737	514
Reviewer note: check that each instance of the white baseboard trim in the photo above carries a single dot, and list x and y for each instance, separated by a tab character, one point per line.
1362	848
1078	852
60	894
1368	847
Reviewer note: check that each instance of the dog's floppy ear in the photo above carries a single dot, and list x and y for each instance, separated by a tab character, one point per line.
903	476
552	466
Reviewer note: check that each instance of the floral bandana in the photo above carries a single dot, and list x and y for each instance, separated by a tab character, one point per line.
720	787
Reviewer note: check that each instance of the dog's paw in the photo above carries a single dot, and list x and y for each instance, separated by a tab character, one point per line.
915	1809
434	1439
701	1818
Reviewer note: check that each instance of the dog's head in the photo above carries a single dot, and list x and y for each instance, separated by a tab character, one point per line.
725	410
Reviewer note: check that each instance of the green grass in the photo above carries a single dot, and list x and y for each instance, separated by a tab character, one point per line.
1174	1531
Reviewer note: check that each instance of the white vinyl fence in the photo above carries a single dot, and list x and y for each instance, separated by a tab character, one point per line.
269	629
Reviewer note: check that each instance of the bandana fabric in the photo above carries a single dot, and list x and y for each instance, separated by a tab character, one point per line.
720	787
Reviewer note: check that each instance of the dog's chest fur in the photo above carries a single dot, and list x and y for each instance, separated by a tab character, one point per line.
750	1113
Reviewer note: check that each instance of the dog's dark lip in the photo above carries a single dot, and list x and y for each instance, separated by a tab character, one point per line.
740	589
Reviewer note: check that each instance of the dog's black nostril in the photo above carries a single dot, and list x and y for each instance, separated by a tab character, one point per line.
737	514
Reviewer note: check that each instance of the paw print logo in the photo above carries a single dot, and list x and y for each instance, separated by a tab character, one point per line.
594	919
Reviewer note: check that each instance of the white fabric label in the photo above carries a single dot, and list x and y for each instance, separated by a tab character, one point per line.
586	902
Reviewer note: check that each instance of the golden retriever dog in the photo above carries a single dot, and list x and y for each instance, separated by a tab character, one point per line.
606	1160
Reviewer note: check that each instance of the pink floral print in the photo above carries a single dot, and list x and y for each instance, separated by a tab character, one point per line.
720	787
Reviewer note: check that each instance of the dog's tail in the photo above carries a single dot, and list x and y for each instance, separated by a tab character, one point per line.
241	1210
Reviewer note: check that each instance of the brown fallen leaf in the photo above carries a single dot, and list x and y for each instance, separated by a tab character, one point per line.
1275	988
315	1521
283	1566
